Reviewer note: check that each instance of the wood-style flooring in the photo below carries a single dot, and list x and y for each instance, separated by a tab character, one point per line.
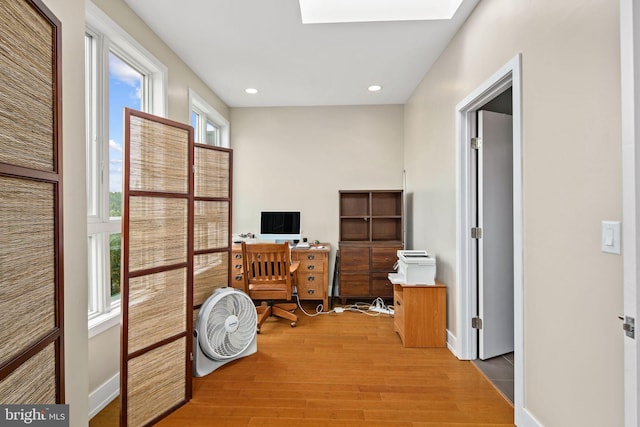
346	369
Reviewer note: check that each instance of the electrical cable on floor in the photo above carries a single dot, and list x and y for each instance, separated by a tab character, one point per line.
319	309
358	307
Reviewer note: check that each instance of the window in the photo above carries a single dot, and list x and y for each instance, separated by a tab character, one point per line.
118	74
209	126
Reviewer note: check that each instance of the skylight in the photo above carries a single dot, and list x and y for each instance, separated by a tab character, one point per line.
335	11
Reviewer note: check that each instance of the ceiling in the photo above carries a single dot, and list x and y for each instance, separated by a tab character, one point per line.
236	44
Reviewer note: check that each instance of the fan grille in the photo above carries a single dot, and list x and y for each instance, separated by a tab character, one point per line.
227	324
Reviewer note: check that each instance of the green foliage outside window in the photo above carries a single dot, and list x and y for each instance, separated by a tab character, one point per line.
114	255
115	204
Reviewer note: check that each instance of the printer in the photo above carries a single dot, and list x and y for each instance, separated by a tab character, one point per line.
414	267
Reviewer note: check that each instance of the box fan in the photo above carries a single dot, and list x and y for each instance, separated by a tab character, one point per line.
225	330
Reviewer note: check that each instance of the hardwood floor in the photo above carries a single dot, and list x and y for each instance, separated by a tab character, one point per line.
346	369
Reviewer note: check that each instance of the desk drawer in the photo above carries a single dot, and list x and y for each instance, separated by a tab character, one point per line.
308	256
312	287
310	266
398	311
309	278
236	266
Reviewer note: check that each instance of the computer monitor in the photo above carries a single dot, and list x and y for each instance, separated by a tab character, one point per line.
280	226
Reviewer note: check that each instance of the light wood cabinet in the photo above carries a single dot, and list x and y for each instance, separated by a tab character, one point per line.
313	273
312	277
420	314
236	279
371	233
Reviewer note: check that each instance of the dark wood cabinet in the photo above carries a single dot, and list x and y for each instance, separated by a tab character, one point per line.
371	233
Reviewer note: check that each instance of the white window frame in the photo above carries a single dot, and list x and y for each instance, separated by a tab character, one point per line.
109	37
199	105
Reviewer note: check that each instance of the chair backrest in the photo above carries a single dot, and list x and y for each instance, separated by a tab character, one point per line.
266	270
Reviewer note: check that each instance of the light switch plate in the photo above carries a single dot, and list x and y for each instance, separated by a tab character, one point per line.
610	237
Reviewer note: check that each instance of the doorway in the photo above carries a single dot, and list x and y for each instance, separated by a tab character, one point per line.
492	210
466	339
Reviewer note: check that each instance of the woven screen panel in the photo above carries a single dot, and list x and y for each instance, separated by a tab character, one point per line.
211	225
158	299
156	382
34	382
26	92
27	264
152	221
211	271
212	173
159	156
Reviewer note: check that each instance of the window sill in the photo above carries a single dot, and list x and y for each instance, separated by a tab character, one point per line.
104	322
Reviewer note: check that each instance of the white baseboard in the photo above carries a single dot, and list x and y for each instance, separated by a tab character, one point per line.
452	343
103	395
524	418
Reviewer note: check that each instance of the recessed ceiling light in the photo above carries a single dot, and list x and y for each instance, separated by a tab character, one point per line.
332	11
374	88
251	91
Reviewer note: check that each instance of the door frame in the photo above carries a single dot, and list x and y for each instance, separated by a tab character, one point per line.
509	75
630	126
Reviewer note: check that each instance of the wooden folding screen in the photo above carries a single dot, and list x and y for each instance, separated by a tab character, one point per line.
157	265
31	279
212	213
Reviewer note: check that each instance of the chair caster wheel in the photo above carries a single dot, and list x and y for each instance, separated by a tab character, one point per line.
293	324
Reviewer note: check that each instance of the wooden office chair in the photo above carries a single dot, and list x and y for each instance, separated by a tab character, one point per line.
268	276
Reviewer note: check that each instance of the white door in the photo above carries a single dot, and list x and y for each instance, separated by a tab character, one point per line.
495	247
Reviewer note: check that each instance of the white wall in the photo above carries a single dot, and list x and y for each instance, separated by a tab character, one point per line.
299	158
572	169
71	15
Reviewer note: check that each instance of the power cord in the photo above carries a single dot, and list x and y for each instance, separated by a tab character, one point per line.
319	309
380	307
376	308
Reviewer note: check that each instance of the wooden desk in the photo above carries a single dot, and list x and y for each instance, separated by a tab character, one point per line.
420	314
312	277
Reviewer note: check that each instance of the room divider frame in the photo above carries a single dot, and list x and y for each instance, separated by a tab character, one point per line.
31	208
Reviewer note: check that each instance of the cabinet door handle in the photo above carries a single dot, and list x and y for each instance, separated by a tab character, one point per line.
311	256
311	267
398	302
238	278
311	278
311	292
238	266
238	256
